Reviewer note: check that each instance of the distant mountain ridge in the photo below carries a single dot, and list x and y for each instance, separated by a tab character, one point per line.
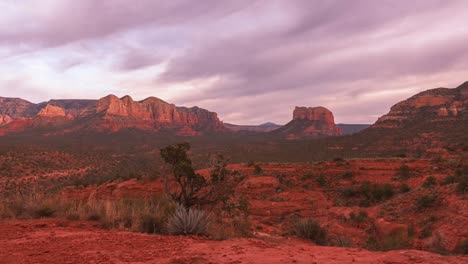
108	114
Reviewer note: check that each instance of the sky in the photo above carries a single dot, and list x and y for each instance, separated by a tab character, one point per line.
251	61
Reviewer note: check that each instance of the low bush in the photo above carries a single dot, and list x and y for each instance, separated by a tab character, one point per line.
426	201
369	193
404	171
311	230
321	180
257	169
347	175
404	188
359	218
430	182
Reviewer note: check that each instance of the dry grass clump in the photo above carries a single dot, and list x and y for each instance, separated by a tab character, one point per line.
137	214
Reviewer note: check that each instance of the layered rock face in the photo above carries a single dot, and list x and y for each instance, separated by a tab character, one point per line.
109	114
441	104
310	122
51	111
16	107
157	114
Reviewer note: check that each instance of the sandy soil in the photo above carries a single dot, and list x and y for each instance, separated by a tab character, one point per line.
60	241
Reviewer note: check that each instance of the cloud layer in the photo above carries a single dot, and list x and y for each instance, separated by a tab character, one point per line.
250	61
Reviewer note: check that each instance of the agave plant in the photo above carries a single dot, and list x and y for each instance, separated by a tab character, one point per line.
188	221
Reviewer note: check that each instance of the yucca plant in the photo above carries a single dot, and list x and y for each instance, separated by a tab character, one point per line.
188	221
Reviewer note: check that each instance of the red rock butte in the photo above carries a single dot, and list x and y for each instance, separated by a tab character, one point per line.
310	122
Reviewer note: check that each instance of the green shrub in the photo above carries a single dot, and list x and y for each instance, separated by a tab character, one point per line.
311	230
404	171
462	247
426	201
430	182
449	180
370	193
44	211
347	175
359	218
257	169
307	176
404	188
188	221
321	180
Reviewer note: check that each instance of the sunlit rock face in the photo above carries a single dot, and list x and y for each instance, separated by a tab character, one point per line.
108	114
156	114
51	111
310	122
434	105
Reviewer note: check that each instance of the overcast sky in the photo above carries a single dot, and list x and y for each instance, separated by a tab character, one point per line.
249	61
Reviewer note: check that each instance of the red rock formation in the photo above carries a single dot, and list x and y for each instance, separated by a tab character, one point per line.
5	119
107	114
51	111
156	113
433	105
310	122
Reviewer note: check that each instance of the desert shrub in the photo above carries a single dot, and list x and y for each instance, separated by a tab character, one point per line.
341	242
426	201
44	211
250	163
462	179
404	188
462	247
193	188
338	159
426	231
321	180
307	176
359	218
257	169
449	180
369	193
347	175
404	171
389	242
430	182
188	221
438	244
311	230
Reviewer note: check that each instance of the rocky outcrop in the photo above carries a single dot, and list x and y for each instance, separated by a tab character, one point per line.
107	114
5	119
16	107
51	111
157	114
434	105
310	122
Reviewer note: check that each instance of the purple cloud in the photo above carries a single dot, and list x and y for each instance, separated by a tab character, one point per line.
250	61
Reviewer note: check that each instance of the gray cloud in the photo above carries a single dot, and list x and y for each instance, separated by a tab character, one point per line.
253	61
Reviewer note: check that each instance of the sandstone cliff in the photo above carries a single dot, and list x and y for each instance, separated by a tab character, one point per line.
107	114
434	105
309	122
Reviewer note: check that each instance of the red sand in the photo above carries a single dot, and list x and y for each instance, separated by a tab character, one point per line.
58	241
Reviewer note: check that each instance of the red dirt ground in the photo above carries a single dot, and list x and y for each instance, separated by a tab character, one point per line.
59	241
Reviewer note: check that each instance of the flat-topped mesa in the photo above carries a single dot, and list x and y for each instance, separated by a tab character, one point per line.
51	111
319	113
310	122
